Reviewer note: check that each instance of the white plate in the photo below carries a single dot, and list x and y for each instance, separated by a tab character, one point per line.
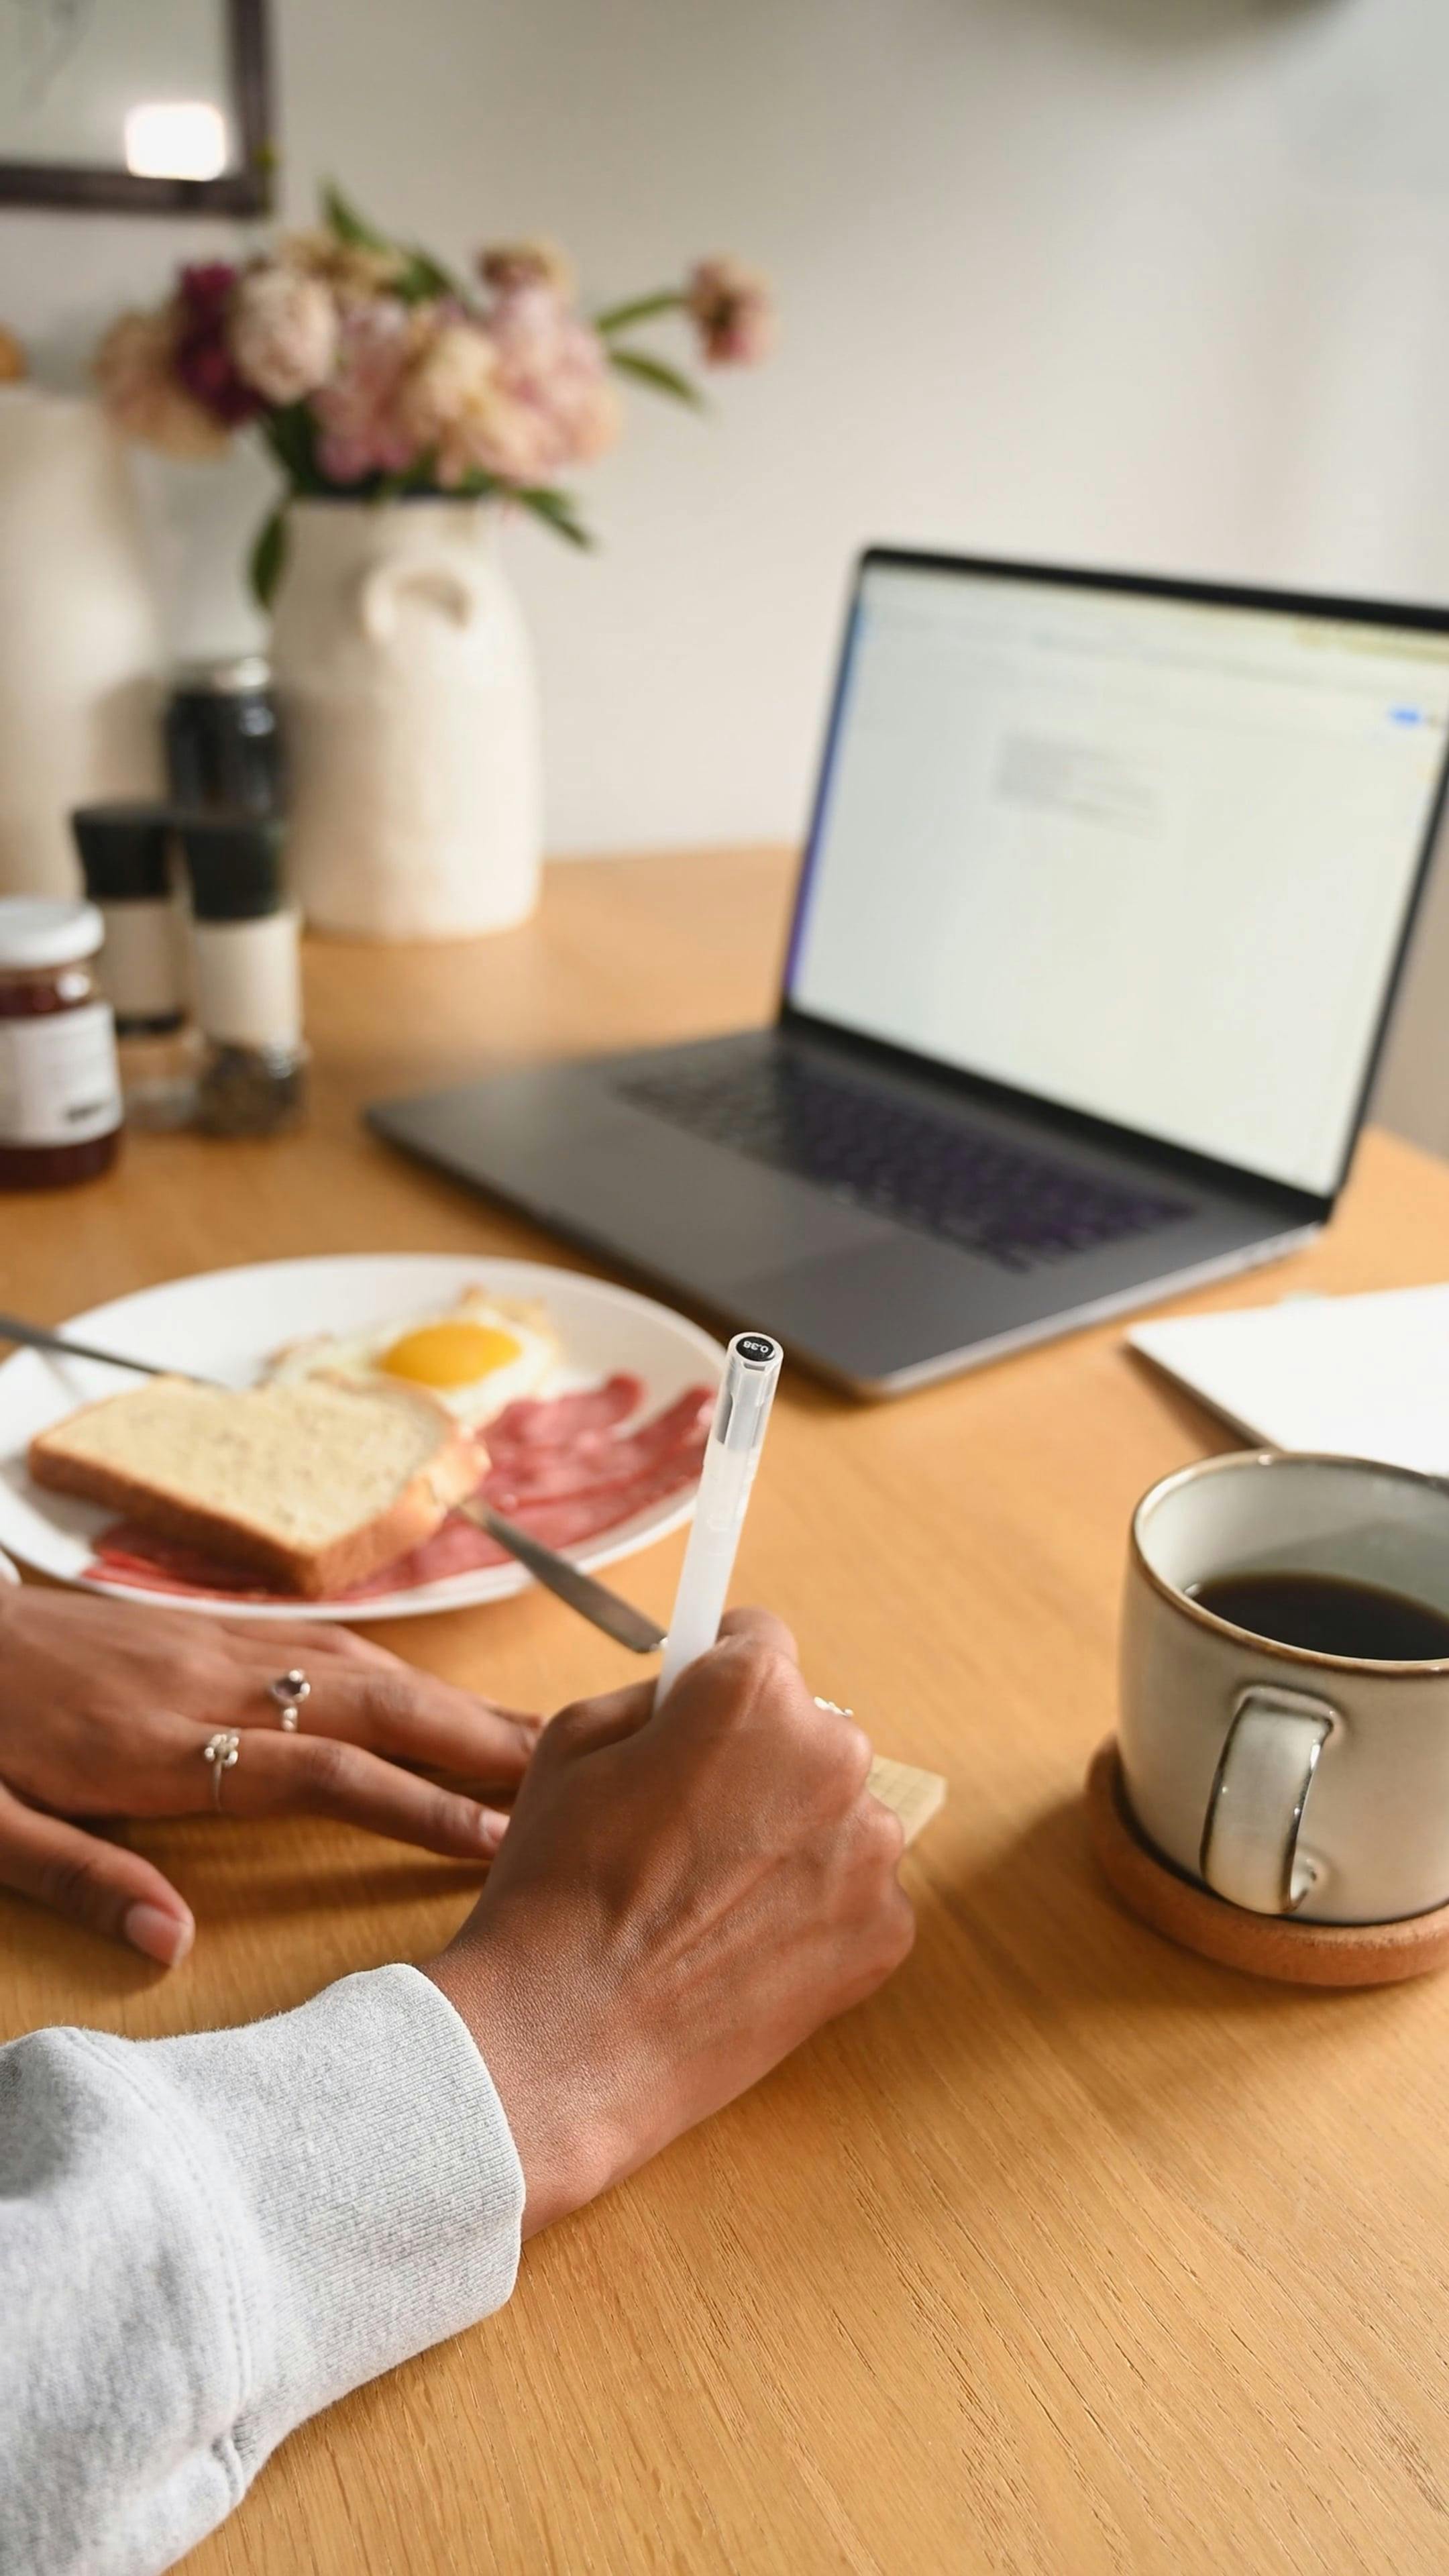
226	1324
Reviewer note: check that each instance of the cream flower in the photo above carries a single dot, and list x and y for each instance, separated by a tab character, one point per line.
283	333
456	407
351	270
135	375
453	377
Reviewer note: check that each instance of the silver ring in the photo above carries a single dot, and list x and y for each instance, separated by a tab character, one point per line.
834	1707
221	1751
289	1690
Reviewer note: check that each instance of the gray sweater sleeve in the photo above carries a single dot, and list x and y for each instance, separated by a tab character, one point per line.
204	2240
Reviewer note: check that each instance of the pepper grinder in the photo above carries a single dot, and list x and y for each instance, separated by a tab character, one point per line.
246	938
223	745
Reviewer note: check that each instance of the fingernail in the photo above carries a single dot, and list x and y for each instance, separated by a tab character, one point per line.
158	1935
491	1827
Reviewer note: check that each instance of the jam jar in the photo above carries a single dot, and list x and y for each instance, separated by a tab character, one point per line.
60	1093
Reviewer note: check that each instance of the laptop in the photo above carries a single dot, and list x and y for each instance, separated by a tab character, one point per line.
1107	890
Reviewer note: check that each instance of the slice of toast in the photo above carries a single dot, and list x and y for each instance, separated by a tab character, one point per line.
314	1486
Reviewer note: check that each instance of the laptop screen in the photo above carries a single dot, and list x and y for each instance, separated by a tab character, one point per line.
1148	858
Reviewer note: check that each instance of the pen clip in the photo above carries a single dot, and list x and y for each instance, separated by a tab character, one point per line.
747	1390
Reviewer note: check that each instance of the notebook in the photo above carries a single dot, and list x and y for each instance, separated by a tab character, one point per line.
1366	1377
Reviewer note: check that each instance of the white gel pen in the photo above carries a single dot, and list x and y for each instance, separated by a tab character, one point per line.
737	1435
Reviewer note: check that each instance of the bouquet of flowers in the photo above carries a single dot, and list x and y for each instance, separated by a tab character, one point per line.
373	373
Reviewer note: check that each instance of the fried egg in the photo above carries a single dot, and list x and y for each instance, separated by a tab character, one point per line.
475	1357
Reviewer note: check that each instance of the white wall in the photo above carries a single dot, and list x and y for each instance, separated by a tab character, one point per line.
1157	281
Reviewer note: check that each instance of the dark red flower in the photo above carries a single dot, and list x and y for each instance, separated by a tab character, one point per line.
203	357
206	289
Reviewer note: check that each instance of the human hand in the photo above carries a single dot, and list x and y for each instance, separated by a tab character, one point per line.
681	1899
105	1707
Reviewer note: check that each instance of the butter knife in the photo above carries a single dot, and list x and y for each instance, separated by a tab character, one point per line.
593	1601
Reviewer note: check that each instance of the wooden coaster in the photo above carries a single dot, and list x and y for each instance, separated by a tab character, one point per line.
915	1796
1305	1954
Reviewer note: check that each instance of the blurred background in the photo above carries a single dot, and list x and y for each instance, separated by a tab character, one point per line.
1157	282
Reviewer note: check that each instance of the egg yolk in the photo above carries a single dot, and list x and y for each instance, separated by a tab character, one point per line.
450	1354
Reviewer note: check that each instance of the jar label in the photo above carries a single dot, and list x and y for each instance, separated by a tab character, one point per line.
58	1078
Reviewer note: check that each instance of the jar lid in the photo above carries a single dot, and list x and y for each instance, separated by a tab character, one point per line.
35	934
125	851
233	678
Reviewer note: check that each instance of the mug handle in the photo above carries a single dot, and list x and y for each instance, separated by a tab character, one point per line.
1250	1850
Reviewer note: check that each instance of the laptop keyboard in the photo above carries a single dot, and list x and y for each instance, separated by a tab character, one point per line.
956	1182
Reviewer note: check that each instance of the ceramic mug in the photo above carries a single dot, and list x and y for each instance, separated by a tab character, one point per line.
1288	1781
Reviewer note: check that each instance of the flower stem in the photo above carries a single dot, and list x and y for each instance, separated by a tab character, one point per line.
641	308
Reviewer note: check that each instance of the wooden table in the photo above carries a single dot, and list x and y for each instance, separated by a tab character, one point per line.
1069	2253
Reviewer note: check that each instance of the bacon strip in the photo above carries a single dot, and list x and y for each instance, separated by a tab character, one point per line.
553	1421
520	1477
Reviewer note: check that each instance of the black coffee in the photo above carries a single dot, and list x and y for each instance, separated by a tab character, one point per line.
1329	1615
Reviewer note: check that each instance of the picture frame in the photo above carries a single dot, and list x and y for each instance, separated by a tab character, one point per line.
245	190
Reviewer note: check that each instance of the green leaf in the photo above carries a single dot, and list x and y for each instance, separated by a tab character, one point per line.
557	510
292	437
476	486
654	373
425	277
268	557
342	218
640	308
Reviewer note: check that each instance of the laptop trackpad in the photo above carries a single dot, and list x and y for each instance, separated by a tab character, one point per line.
885	1306
682	1208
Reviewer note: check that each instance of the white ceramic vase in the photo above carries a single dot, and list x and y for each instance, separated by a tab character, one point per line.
406	684
80	635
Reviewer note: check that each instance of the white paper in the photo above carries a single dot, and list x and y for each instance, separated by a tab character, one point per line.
1363	1377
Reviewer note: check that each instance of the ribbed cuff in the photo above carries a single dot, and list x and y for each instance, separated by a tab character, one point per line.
368	2194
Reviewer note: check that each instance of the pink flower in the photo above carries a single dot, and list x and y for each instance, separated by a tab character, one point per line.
357	410
136	377
282	331
554	365
734	311
203	357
